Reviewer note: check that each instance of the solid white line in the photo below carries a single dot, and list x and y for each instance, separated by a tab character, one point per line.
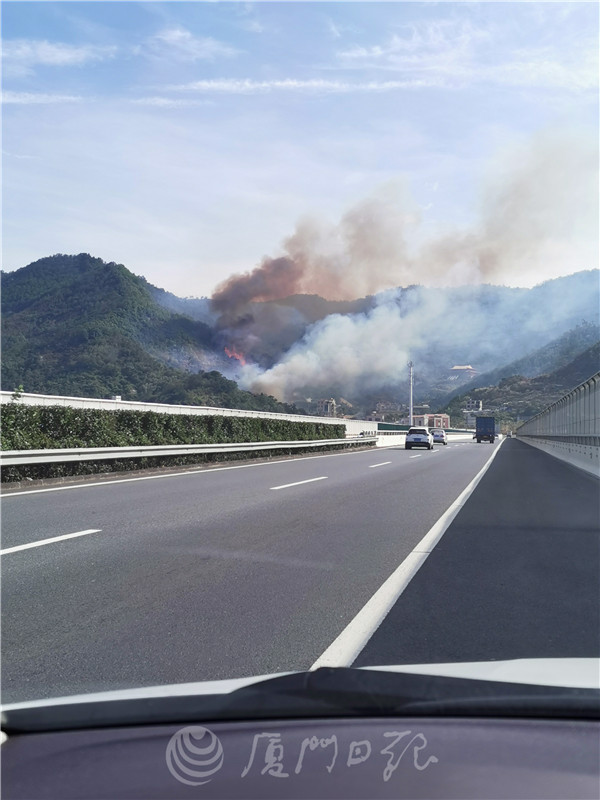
206	471
298	483
352	640
48	541
383	463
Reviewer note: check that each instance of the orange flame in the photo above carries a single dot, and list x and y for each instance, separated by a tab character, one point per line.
233	353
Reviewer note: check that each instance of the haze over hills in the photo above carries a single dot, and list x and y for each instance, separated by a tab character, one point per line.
517	397
556	355
77	325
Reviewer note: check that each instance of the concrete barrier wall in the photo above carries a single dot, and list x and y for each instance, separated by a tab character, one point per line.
389	439
570	428
353	427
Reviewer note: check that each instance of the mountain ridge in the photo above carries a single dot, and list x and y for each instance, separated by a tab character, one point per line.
517	397
74	324
557	353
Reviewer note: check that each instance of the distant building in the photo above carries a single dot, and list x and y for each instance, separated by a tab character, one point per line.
472	405
327	408
462	372
469	419
429	420
435	420
388	406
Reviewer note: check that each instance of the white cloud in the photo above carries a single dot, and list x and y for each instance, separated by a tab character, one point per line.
21	157
169	102
181	45
36	98
461	54
432	44
540	67
317	86
338	29
246	14
21	56
253	26
333	29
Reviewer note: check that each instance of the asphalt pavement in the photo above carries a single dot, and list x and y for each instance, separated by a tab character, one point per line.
209	574
254	569
516	575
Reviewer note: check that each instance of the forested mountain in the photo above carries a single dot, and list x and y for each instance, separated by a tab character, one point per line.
75	325
580	369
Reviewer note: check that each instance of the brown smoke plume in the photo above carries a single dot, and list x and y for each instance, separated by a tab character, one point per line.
273	279
539	206
365	252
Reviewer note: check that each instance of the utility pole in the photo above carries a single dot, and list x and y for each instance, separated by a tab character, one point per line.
410	395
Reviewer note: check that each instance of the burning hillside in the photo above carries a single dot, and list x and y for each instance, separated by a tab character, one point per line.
233	353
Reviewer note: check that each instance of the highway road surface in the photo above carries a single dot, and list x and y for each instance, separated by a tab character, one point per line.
254	569
516	575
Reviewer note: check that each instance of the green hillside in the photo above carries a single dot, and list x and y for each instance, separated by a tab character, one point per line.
75	325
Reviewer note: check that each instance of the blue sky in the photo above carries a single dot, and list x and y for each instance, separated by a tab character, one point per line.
186	140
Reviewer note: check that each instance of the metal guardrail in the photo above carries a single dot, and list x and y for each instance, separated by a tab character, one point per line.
60	455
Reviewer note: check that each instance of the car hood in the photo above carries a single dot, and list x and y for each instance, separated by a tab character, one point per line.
581	673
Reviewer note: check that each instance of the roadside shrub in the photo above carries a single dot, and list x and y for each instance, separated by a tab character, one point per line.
25	427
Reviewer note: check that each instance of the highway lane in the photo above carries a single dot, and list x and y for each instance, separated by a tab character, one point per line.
516	575
211	574
223	490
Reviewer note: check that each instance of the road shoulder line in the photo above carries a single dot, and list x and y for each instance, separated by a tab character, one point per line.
346	647
298	483
53	539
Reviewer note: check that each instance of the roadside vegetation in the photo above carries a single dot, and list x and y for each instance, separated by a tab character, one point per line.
49	427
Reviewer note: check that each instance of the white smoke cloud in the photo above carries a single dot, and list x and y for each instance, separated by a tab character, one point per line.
352	351
539	216
483	325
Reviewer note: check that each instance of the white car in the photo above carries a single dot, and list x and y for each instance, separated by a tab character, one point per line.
419	437
439	435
